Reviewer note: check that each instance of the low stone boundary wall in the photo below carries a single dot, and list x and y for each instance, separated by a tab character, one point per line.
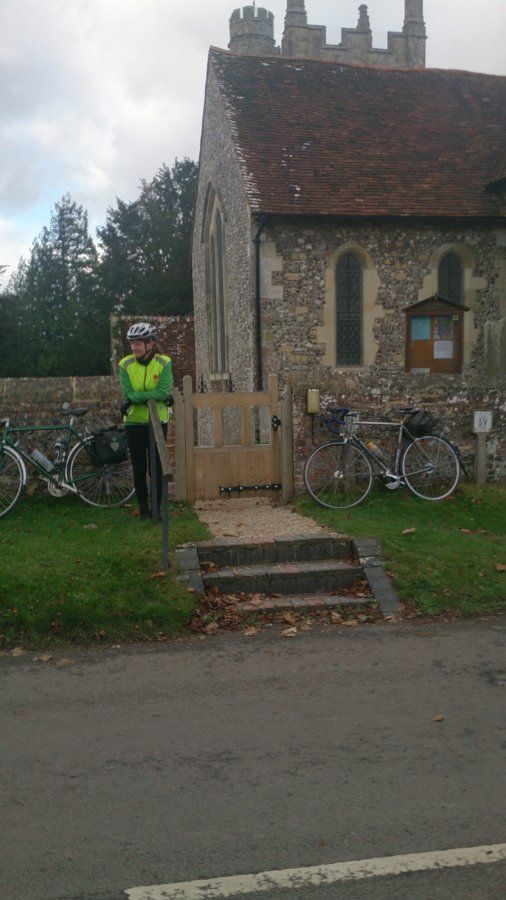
30	401
452	399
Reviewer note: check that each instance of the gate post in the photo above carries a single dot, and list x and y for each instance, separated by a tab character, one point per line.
189	438
180	446
287	476
275	435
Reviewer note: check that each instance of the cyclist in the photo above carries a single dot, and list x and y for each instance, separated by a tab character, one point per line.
145	374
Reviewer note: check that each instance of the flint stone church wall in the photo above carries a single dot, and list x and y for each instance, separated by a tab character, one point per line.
403	260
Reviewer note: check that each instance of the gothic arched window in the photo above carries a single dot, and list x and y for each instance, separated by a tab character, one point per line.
349	292
216	292
451	277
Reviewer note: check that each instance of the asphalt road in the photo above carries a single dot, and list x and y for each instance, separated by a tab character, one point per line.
202	758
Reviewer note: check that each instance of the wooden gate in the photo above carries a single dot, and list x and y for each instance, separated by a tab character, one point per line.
227	441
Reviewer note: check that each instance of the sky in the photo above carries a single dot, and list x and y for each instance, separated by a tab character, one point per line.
96	95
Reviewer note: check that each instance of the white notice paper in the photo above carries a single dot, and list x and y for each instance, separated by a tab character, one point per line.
443	349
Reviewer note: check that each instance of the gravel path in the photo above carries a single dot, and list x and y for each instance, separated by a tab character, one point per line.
252	518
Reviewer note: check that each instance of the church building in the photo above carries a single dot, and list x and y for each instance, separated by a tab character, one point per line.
350	229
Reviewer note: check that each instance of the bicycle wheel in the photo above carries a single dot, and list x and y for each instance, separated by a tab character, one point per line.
338	475
12	479
430	467
98	485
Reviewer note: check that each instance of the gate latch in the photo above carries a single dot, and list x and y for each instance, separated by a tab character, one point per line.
275	422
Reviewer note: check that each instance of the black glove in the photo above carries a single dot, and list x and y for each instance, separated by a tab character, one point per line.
125	406
170	400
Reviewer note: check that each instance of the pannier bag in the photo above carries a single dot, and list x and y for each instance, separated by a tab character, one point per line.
110	446
421	423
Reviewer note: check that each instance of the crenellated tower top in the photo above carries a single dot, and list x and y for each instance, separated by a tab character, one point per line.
252	32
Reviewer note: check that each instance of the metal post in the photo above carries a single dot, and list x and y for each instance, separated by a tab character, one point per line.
158	444
153	474
165	523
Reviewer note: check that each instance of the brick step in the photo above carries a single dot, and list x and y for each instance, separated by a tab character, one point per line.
307	603
296	578
286	548
299	567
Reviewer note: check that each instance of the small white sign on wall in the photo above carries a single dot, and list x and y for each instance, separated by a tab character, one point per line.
482	421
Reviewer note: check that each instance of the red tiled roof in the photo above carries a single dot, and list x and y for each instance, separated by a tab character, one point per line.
320	138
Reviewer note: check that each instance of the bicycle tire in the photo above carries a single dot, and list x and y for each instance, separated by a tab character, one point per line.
338	475
12	479
430	467
104	486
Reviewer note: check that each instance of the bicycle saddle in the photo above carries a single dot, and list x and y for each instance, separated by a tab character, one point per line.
406	410
71	412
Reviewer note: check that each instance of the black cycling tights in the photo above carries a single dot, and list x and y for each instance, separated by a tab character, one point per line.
138	444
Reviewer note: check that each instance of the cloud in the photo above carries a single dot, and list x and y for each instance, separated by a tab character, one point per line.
97	94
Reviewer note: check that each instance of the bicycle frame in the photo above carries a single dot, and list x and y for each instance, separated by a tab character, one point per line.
57	475
394	475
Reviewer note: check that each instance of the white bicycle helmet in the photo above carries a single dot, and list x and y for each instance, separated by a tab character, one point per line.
141	331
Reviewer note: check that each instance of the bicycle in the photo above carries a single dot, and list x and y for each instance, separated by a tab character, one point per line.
340	473
74	469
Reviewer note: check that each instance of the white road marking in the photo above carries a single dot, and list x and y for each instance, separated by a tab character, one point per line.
315	876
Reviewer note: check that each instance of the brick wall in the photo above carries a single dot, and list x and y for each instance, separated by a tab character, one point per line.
176	338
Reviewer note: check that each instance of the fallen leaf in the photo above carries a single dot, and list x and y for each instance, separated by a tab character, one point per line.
63	663
289	632
256	599
18	651
409	531
438	718
250	632
157	575
501	567
466	531
212	628
90	527
306	626
336	618
350	623
289	617
45	658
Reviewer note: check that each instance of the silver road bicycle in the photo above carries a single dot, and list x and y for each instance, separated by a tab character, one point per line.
340	474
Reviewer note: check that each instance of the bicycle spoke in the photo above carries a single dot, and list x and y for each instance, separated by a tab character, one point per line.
106	485
430	468
11	480
338	475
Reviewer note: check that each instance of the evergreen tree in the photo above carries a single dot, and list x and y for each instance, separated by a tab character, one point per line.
145	265
61	313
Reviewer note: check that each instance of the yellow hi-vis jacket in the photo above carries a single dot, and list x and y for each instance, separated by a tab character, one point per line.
142	383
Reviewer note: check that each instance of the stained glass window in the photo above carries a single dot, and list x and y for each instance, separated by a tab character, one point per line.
349	310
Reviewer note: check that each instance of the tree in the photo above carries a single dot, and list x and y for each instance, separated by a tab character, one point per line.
60	311
145	264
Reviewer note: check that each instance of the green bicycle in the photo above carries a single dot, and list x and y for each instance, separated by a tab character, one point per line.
75	467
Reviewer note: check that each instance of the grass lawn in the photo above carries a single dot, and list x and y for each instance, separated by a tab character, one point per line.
72	572
448	564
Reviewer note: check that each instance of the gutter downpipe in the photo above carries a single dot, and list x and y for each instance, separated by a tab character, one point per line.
258	319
